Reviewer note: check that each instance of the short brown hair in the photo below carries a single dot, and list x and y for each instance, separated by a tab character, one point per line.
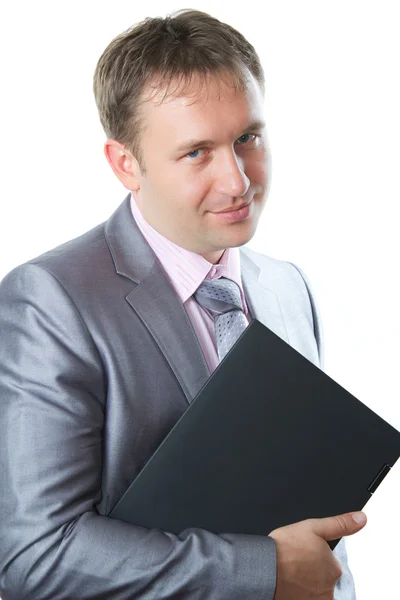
159	49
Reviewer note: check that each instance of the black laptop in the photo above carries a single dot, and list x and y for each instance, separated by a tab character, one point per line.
269	440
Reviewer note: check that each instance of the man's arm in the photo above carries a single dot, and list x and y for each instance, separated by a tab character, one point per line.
317	322
53	543
345	587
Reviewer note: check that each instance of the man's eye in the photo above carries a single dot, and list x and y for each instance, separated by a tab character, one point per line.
193	154
246	138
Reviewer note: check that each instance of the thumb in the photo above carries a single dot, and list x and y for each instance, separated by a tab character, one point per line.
332	528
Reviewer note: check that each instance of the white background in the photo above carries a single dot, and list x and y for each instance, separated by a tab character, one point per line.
333	97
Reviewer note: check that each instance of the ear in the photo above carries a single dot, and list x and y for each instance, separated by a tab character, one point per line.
123	163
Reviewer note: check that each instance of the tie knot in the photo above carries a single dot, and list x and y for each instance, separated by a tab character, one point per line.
219	296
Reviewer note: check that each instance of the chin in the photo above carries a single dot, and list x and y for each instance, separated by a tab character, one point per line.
242	235
234	242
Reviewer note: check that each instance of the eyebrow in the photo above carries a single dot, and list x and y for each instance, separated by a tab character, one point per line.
193	143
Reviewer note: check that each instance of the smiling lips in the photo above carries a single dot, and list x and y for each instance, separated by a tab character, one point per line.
234	209
236	214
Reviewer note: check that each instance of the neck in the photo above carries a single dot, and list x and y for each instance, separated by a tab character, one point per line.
213	257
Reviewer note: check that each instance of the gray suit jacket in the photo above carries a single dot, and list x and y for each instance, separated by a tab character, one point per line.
98	360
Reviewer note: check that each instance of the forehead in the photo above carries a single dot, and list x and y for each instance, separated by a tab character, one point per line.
201	103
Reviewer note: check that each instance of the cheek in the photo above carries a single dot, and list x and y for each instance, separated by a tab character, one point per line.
194	187
259	173
258	167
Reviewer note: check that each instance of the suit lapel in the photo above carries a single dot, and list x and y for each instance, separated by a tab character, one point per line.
157	304
262	302
155	301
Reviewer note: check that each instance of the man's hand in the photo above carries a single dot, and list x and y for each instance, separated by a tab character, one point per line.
306	566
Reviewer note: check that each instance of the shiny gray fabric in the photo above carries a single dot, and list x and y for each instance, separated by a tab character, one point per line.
98	360
221	298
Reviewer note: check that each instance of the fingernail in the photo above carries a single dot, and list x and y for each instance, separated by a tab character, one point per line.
359	517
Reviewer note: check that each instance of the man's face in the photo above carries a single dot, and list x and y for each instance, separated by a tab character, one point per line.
206	165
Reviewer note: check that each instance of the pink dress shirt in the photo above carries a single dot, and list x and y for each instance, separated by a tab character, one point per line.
186	271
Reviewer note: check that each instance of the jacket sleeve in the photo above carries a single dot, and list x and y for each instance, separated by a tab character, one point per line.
345	589
53	543
318	331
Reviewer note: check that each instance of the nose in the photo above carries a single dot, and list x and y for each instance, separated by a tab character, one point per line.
230	178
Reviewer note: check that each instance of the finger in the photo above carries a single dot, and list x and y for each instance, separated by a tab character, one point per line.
332	528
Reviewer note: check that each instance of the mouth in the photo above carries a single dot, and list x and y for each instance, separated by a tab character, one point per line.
233	209
239	213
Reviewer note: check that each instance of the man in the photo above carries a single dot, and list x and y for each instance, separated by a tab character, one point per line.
105	341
